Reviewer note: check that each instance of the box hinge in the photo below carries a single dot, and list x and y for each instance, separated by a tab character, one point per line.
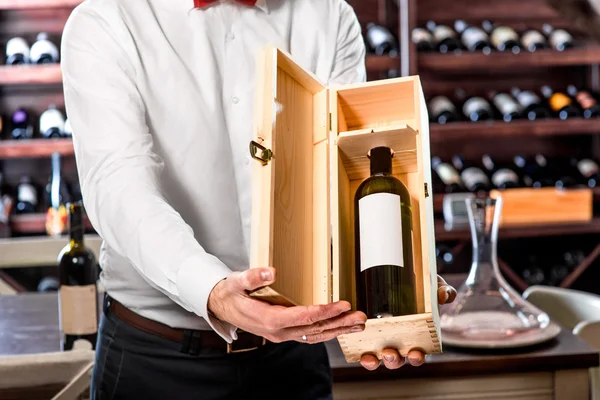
426	191
265	154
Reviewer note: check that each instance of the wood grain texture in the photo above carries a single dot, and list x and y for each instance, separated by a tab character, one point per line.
571	385
30	74
35	148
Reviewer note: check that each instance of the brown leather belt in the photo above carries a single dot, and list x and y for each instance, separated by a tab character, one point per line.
207	339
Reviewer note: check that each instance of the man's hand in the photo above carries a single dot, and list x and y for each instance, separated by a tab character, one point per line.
391	358
229	301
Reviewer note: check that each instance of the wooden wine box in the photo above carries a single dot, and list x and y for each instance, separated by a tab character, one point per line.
311	144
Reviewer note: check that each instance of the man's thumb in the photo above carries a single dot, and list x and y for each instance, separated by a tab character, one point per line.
255	278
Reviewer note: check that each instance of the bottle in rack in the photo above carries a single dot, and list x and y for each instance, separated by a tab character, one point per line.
502	177
381	41
423	39
504	38
560	103
48	284
506	104
475	109
587	102
589	171
442	110
540	173
22	128
52	123
448	175
43	51
533	108
445	37
472	37
444	256
385	278
27	197
78	274
17	51
559	39
532	40
473	177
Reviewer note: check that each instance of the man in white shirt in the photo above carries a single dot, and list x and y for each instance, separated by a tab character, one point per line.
160	94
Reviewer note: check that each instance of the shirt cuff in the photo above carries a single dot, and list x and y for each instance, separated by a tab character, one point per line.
196	279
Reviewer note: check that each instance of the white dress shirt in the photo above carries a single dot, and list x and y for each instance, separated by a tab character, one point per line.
160	98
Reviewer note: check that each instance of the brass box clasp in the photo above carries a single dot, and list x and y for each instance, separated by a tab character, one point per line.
265	154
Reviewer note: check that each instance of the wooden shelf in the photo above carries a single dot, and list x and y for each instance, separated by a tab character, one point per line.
494	129
30	4
381	63
506	61
30	74
34	223
35	148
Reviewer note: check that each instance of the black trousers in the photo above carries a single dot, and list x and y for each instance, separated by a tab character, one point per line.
133	364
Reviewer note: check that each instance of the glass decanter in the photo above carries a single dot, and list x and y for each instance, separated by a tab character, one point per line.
487	308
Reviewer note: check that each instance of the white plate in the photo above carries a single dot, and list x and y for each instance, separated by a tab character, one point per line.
524	340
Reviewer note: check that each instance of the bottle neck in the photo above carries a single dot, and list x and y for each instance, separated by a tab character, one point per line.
76	229
381	161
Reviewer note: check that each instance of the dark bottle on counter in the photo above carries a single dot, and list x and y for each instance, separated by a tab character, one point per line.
43	51
504	38
507	106
588	170
560	104
532	40
445	37
442	110
559	39
448	175
381	41
17	51
78	296
502	177
473	38
423	39
533	108
27	197
587	102
22	128
475	109
473	177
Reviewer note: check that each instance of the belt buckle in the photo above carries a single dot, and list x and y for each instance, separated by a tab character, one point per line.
230	349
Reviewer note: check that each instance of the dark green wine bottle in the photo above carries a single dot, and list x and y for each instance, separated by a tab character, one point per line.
385	278
78	296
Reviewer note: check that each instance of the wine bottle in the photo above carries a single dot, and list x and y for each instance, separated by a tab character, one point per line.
444	255
48	284
531	104
533	40
473	38
445	37
559	39
502	176
22	128
43	51
560	103
52	123
504	38
423	39
542	174
27	196
587	102
442	110
381	41
385	278
17	51
506	104
448	175
78	273
477	109
589	170
566	174
473	177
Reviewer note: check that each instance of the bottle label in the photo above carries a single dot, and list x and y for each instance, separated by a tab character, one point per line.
17	46
503	34
421	35
42	47
27	193
532	37
559	100
587	167
473	176
380	221
78	309
448	174
527	98
51	119
506	104
443	32
585	100
472	35
475	104
559	37
503	176
439	104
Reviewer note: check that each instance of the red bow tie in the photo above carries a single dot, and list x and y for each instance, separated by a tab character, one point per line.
203	3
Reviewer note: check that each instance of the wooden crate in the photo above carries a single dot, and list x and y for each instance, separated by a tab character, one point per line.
314	144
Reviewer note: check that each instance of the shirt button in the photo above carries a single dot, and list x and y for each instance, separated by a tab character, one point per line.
235	100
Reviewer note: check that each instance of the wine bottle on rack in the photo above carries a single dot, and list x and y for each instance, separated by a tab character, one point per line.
52	123
27	196
476	108
43	51
589	171
473	38
587	102
502	177
506	104
448	175
381	41
531	104
78	297
48	284
565	173
385	278
442	110
532	40
504	38
22	128
539	171
473	177
445	37
559	39
17	51
444	256
68	132
560	103
423	39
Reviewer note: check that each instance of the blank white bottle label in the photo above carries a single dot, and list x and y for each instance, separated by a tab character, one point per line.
475	104
51	118
527	98
421	35
503	176
27	193
443	32
506	104
473	176
380	219
78	310
42	47
503	34
587	167
473	35
532	37
439	104
17	45
560	37
448	174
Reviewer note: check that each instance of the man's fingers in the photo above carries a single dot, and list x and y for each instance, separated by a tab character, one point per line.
309	315
369	362
392	359
446	293
255	278
416	358
349	319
